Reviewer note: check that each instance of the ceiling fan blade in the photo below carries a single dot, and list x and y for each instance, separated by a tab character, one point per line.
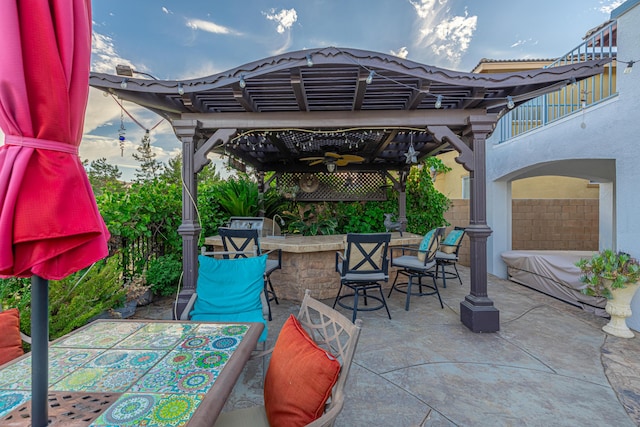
311	158
334	155
341	162
316	162
352	158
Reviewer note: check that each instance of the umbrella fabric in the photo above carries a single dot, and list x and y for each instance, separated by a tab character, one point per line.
49	222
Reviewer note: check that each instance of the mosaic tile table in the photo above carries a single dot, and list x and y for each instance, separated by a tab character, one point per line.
134	373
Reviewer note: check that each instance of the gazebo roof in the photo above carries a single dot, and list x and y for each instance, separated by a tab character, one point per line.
345	101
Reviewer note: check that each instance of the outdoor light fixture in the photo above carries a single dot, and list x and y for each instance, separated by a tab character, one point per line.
309	61
127	71
331	167
243	84
123	84
438	101
510	103
180	89
370	77
124	70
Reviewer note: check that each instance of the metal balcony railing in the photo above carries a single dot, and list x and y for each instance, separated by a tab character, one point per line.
545	109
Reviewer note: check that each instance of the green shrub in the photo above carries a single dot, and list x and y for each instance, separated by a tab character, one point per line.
73	301
425	205
164	274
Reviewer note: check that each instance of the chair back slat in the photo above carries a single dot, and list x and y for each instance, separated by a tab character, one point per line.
241	241
333	332
366	253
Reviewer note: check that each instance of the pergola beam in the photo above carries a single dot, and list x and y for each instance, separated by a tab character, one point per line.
335	119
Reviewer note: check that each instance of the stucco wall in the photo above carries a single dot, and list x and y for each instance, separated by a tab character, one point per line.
606	149
540	187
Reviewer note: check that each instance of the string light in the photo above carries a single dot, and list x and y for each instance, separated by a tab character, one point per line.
370	77
242	83
438	103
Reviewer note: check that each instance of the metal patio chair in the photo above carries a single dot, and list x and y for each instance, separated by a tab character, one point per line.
362	267
417	263
331	332
240	240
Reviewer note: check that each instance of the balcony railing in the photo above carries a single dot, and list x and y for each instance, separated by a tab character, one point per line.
545	109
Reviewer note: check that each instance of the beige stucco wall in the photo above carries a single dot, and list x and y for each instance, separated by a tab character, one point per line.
542	187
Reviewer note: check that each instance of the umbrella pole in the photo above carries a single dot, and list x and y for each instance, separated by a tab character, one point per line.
39	351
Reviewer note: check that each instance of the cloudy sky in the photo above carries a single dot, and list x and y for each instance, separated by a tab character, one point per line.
176	39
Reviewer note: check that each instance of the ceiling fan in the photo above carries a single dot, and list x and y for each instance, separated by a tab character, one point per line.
334	159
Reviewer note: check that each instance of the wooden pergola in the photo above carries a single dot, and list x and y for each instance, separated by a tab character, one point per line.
272	113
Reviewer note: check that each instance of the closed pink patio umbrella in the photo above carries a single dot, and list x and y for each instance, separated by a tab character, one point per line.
50	226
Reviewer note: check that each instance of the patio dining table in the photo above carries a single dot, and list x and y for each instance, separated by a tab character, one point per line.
131	373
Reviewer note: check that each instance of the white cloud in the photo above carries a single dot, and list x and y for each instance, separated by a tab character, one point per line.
528	41
167	11
401	53
606	6
447	36
285	18
203	69
103	54
210	27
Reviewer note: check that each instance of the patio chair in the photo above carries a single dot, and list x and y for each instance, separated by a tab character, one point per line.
417	263
11	338
363	266
239	240
447	255
230	288
307	373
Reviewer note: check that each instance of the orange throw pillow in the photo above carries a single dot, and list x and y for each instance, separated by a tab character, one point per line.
10	341
300	378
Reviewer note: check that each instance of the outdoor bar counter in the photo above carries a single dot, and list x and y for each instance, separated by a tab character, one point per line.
308	262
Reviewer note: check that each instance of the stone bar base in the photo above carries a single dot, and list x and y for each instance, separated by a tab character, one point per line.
308	262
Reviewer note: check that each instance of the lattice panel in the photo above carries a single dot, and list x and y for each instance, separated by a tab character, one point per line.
339	186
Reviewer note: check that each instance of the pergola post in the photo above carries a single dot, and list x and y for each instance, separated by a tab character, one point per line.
402	200
190	227
477	311
261	191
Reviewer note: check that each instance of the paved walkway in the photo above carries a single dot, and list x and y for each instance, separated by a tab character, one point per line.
549	365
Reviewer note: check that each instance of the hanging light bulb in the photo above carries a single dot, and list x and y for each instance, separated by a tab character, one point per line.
242	83
180	89
123	84
370	77
510	104
309	61
438	102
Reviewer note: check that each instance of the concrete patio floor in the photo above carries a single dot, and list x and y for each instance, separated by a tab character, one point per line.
549	365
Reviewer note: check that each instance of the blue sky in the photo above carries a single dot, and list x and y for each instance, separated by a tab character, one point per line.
176	39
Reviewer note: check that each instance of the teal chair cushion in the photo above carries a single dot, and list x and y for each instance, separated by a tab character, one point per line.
229	290
453	237
426	244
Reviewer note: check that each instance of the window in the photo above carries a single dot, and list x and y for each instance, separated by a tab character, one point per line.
466	191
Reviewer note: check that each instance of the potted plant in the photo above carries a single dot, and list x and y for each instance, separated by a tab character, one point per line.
613	275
